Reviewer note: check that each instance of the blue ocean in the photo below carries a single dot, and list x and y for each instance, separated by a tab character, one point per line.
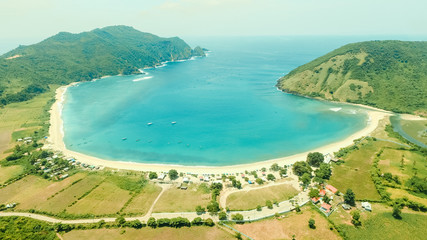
223	109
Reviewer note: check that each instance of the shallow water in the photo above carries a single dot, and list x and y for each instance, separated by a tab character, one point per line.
226	108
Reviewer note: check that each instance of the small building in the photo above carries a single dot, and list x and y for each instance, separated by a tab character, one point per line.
346	206
327	158
367	206
161	176
250	182
66	169
186	180
315	200
64	176
19	140
325	207
10	205
331	188
206	179
322	192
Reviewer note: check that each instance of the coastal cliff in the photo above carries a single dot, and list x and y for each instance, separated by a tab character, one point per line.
64	58
390	75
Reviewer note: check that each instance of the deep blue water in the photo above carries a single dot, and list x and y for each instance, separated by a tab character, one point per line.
226	108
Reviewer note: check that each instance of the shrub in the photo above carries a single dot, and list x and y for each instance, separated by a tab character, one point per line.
152	222
311	223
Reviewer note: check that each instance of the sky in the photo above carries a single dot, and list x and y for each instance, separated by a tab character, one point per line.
29	21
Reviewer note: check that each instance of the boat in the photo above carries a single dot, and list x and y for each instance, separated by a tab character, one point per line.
150	123
173	123
124	138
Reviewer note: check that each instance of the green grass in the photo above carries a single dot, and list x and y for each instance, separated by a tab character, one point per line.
291	224
71	194
177	200
108	198
166	233
7	173
24	190
357	165
414	163
384	226
416	129
142	202
245	200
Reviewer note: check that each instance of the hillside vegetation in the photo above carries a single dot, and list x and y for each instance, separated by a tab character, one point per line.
390	75
64	58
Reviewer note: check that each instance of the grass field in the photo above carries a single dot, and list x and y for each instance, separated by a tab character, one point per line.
400	193
176	200
380	224
246	200
108	198
7	173
22	119
292	224
414	163
24	190
357	165
143	201
61	201
149	233
416	129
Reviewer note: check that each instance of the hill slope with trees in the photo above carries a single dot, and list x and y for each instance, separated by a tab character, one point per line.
390	75
64	58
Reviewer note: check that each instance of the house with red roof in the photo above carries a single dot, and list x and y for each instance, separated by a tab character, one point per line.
322	192
325	207
315	200
331	188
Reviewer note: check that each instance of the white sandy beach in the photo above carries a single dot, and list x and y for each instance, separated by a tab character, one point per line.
55	142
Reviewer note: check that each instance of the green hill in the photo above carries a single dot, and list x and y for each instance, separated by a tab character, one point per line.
390	75
64	58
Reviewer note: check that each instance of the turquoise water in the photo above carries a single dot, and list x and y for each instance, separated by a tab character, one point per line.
226	108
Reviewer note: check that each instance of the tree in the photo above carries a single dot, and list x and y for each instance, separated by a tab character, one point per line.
237	184
222	216
349	197
258	208
311	223
269	204
313	193
271	177
315	158
152	222
275	167
397	213
356	218
152	175
300	168
238	236
173	174
324	171
259	181
213	207
305	179
237	217
200	209
197	221
209	222
135	224
120	221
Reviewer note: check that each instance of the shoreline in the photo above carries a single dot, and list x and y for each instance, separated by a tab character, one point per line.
56	133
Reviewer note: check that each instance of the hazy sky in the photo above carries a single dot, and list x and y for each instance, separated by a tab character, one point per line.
30	21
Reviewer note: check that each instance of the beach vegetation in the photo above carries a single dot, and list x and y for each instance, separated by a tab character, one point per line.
315	159
271	177
152	175
173	174
299	168
275	167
